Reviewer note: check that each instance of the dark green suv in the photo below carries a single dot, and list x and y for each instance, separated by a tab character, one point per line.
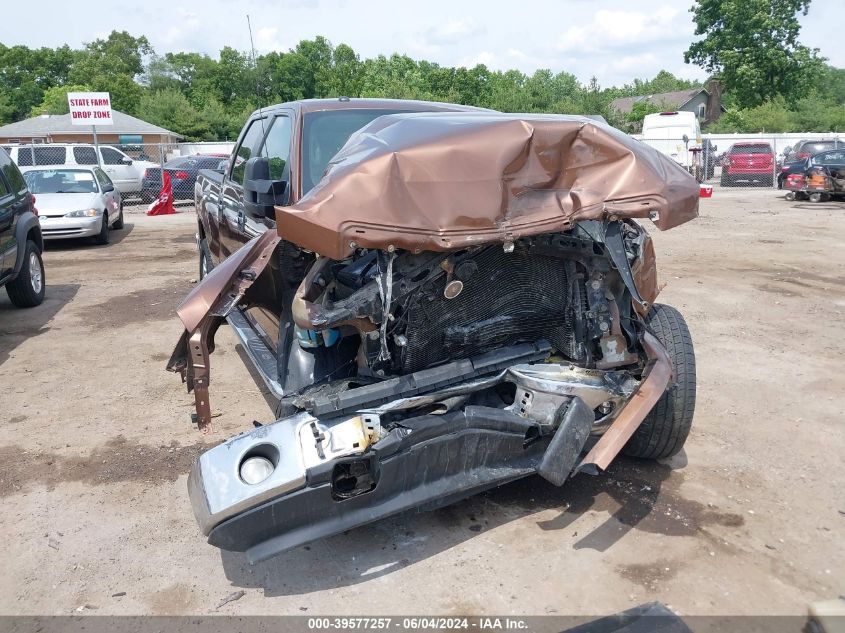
21	268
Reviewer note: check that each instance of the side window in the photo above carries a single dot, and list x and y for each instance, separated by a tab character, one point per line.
253	135
84	156
277	147
111	156
4	188
102	178
25	156
49	155
14	178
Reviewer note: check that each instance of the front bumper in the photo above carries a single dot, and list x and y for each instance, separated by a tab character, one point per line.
336	471
64	228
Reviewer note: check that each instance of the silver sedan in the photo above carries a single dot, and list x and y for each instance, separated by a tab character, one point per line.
75	202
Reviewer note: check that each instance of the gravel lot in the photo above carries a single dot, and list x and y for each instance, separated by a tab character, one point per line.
96	443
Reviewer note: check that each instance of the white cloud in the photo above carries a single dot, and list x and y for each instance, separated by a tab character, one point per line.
452	32
614	29
484	57
184	25
267	39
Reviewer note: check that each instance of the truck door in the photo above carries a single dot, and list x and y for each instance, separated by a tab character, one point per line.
232	217
14	201
7	243
120	170
276	148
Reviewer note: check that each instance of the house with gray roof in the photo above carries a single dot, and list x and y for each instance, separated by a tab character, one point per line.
705	102
57	128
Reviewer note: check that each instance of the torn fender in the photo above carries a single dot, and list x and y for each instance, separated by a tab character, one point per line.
204	309
656	376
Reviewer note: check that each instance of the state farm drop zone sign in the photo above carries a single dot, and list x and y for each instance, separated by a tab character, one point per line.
90	108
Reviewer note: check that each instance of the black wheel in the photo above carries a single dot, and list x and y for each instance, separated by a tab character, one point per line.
726	181
666	427
118	224
27	289
205	258
147	197
103	235
815	197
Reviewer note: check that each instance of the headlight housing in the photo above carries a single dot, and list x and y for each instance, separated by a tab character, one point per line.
84	213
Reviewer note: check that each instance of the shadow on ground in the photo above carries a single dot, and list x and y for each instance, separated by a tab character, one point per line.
632	494
116	236
19	324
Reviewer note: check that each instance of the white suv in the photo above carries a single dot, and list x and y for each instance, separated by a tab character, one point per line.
125	172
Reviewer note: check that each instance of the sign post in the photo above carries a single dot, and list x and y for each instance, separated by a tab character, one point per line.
90	108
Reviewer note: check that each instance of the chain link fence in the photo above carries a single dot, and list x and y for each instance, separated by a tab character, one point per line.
733	162
136	169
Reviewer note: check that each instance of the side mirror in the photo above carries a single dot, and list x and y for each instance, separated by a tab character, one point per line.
261	194
126	160
221	166
107	188
686	139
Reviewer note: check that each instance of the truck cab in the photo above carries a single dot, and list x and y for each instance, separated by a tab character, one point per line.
297	139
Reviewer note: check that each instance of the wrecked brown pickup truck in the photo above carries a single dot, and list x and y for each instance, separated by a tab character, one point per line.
463	299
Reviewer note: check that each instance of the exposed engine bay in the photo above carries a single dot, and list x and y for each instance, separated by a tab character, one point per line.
407	377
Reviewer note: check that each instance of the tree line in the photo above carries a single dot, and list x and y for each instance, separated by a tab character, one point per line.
770	82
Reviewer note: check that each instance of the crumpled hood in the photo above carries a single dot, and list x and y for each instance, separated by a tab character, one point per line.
446	181
57	204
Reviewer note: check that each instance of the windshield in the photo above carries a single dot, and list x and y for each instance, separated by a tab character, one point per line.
60	181
830	158
324	133
820	146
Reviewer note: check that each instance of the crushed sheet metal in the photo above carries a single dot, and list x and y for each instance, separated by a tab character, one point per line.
234	274
446	181
656	378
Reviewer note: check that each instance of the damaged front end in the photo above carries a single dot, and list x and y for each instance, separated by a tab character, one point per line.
415	375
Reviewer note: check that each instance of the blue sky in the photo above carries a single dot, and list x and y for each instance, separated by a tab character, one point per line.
612	39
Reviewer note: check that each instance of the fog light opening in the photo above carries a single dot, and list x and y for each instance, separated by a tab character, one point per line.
258	464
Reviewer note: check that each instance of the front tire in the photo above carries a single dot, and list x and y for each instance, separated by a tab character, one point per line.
666	427
206	263
118	224
27	289
103	236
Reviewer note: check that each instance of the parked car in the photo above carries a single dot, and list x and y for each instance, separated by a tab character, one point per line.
21	244
666	132
125	172
424	332
751	163
75	202
806	148
183	172
825	175
790	167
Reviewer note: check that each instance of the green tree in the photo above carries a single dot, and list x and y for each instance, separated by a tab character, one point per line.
171	109
26	73
753	45
55	100
345	76
234	78
7	110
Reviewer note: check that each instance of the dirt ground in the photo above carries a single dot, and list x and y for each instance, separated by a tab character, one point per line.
95	442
